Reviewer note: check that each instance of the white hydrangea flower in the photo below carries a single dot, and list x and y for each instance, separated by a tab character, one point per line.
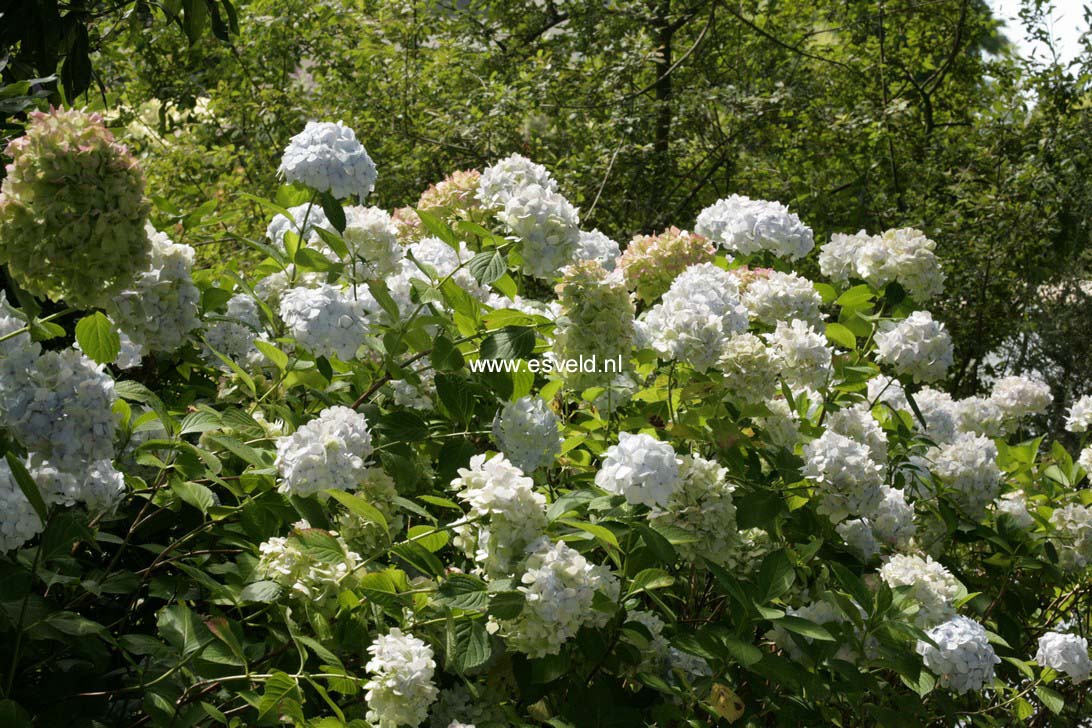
456	706
63	410
655	654
640	467
979	415
234	333
740	224
847	480
1019	397
160	308
19	522
304	221
99	486
692	666
695	317
281	560
1080	415
857	423
594	245
508	177
702	506
1066	653
904	255
749	368
893	521
548	227
917	346
326	321
940	413
328	453
967	468
509	515
803	353
1085	459
857	533
327	157
1015	506
17	354
270	288
776	296
782	425
446	261
888	390
372	240
420	395
527	433
130	353
617	392
931	585
401	689
559	588
1073	539
820	612
838	258
963	659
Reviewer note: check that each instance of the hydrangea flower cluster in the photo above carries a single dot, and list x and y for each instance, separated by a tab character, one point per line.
903	255
803	353
846	478
527	432
159	309
326	321
967	468
1073	538
20	522
773	296
547	226
893	521
819	612
702	506
456	194
1080	415
400	690
1014	505
916	346
697	316
594	245
99	487
650	263
857	423
327	157
749	368
282	561
506	515
233	335
747	226
372	240
507	177
963	659
328	453
640	467
596	320
305	220
559	588
72	210
63	410
931	585
1018	398
1066	653
17	351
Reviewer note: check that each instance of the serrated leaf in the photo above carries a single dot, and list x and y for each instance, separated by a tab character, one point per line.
467	645
511	342
98	338
804	627
359	507
463	591
194	494
488	266
275	355
842	336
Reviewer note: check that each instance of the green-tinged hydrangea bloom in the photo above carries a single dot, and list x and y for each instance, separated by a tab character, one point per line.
72	210
596	321
651	262
456	194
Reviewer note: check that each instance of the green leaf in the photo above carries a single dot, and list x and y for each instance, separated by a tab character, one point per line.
275	355
359	507
839	334
418	557
775	576
602	534
178	627
263	592
194	494
428	536
463	591
649	580
507	604
467	645
335	213
455	396
488	266
402	426
28	486
320	545
435	226
1052	700
98	338
13	715
511	342
805	627
281	695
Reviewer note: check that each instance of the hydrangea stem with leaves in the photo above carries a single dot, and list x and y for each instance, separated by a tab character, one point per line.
372	481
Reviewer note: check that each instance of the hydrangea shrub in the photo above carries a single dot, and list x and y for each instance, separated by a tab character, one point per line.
466	464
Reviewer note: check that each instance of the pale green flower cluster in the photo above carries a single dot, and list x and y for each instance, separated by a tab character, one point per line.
596	320
72	210
651	262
